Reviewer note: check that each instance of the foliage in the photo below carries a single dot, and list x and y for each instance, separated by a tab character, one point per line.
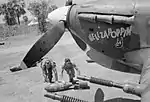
12	10
39	7
41	10
68	2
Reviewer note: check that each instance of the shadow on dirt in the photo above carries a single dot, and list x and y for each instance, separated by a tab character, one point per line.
122	100
99	97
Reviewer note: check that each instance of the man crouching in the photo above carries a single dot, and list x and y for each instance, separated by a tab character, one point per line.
69	68
48	67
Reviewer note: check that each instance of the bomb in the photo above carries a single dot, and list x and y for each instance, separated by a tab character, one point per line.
63	98
64	86
131	88
99	97
58	86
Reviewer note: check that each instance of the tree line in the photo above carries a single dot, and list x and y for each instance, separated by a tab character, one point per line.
40	9
13	9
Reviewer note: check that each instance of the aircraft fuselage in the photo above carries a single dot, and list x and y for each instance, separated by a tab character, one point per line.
110	37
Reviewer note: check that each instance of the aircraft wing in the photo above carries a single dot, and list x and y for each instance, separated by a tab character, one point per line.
145	81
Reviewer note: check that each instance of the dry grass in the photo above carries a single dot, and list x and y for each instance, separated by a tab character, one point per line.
23	29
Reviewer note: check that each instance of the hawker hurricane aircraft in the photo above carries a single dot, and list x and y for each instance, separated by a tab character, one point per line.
113	33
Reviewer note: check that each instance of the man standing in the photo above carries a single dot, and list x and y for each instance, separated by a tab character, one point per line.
69	68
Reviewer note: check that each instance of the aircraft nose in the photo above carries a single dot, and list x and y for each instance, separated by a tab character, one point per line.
58	14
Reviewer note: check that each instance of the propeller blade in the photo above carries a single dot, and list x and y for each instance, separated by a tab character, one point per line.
43	45
79	42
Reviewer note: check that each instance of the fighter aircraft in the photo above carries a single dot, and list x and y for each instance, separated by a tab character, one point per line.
113	33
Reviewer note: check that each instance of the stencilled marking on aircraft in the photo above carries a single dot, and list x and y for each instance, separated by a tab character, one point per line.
109	33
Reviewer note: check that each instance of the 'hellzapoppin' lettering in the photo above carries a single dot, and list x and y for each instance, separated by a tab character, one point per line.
109	33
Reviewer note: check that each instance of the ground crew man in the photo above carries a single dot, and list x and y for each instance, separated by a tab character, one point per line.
55	71
69	68
48	67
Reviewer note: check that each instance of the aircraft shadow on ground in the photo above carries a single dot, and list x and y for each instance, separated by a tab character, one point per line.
121	100
99	97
